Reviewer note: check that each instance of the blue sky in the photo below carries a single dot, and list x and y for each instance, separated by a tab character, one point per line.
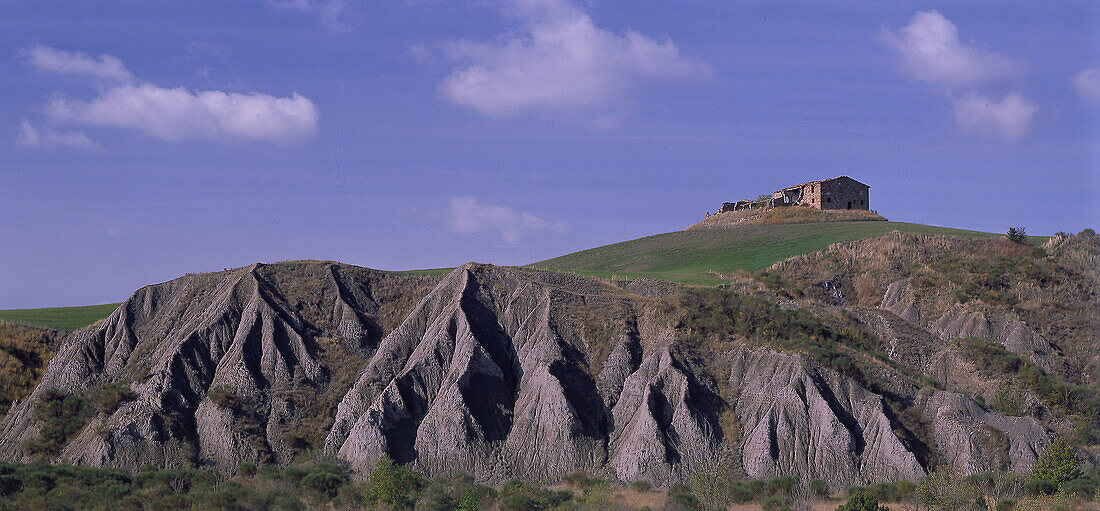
144	140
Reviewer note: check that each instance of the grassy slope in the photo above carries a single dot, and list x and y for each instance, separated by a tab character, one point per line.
693	256
59	318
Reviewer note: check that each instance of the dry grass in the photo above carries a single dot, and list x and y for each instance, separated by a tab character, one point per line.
24	353
806	215
787	215
1050	289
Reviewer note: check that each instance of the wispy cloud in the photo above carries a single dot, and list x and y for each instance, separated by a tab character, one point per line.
929	50
49	59
173	114
468	215
558	61
1087	84
336	15
179	114
1008	118
30	136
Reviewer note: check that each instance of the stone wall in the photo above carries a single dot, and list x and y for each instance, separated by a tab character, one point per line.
844	193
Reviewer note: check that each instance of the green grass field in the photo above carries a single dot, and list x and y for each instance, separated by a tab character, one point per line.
59	318
692	256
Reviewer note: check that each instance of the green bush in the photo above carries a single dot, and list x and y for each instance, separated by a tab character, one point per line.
393	484
944	490
106	399
1006	504
680	498
325	484
521	493
862	501
1082	487
641	486
60	416
1058	464
246	470
776	503
519	502
1040	487
1017	235
577	479
819	487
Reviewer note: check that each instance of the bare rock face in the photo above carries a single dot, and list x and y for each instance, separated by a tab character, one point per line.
503	373
800	419
975	440
174	343
899	300
973	321
488	375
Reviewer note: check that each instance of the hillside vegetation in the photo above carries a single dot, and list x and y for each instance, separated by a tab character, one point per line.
708	256
59	318
789	215
24	353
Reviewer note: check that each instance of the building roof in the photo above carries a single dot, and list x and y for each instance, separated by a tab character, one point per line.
823	181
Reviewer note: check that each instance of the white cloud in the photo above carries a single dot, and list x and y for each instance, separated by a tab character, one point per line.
1087	84
31	136
558	60
57	61
468	215
336	15
930	51
1008	119
180	114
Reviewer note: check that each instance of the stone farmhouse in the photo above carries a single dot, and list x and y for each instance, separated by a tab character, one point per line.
837	193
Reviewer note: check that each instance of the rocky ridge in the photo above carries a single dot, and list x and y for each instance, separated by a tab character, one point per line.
508	372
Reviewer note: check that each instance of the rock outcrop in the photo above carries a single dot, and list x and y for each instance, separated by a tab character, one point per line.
490	374
797	418
503	373
173	343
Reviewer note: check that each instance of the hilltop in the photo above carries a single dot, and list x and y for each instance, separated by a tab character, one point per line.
711	256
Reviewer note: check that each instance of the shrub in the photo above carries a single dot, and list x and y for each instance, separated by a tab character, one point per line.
325	484
1058	464
780	485
246	470
596	496
641	486
1040	487
777	503
577	479
1082	487
1017	235
1006	504
60	417
1009	401
819	487
392	484
106	399
944	490
680	498
862	501
519	502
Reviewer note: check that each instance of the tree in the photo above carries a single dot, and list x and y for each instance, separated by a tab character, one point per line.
1017	235
1058	464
